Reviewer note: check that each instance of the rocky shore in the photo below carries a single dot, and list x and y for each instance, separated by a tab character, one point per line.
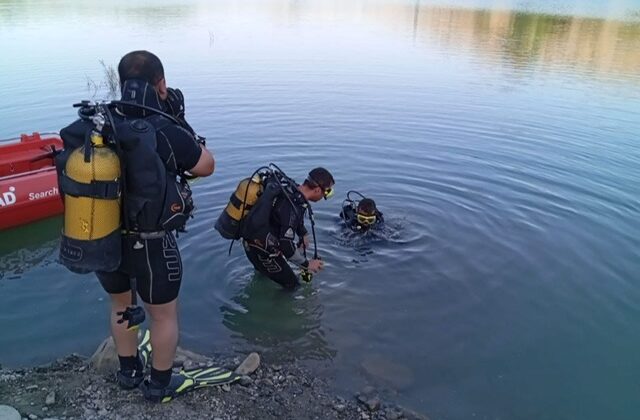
75	387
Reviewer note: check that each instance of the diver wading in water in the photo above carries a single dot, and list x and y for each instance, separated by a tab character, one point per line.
123	176
267	211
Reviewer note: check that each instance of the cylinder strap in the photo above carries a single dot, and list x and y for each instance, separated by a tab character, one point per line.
107	190
237	203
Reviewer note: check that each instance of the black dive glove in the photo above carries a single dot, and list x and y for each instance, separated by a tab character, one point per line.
175	103
175	107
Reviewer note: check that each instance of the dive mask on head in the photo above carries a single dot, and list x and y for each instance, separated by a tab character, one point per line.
366	220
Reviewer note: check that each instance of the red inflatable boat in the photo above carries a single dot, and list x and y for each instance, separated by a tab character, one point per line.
28	180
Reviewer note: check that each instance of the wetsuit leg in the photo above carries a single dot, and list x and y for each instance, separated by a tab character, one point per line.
114	282
276	268
157	265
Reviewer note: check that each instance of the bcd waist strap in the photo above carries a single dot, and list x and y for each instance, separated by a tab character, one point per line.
147	235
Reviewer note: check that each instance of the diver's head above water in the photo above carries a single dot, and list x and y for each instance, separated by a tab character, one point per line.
318	185
360	215
145	66
366	213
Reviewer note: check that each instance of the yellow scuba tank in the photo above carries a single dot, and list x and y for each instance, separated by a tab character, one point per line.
91	186
240	203
89	218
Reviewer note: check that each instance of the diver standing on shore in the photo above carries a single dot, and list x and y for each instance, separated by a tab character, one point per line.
122	207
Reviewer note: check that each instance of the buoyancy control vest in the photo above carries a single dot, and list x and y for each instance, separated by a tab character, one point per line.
257	225
155	200
254	191
248	213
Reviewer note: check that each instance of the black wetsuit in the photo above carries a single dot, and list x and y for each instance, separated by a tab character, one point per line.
156	263
270	255
348	214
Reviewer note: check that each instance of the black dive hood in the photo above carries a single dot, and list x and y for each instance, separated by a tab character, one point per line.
140	92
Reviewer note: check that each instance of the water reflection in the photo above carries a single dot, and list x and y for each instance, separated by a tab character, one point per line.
150	13
285	325
502	33
519	39
27	247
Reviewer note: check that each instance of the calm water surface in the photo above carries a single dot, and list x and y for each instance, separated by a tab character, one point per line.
498	137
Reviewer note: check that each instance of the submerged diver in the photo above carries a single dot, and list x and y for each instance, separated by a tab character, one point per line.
360	215
146	252
270	225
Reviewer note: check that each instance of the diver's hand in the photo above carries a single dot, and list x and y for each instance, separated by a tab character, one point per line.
315	265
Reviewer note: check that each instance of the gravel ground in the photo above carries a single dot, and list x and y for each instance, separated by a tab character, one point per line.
71	388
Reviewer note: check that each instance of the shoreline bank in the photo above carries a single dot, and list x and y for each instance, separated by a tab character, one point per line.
77	387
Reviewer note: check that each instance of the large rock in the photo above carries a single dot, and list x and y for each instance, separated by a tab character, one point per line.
9	413
373	404
105	358
51	398
249	365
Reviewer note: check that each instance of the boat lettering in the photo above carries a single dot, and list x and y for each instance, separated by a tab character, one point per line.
43	194
8	198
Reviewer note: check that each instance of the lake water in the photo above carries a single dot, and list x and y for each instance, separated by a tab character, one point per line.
499	138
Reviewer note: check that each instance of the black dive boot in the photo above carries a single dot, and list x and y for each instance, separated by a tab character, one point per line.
130	378
156	393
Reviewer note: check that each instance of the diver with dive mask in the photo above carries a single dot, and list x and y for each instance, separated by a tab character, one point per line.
267	211
360	215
